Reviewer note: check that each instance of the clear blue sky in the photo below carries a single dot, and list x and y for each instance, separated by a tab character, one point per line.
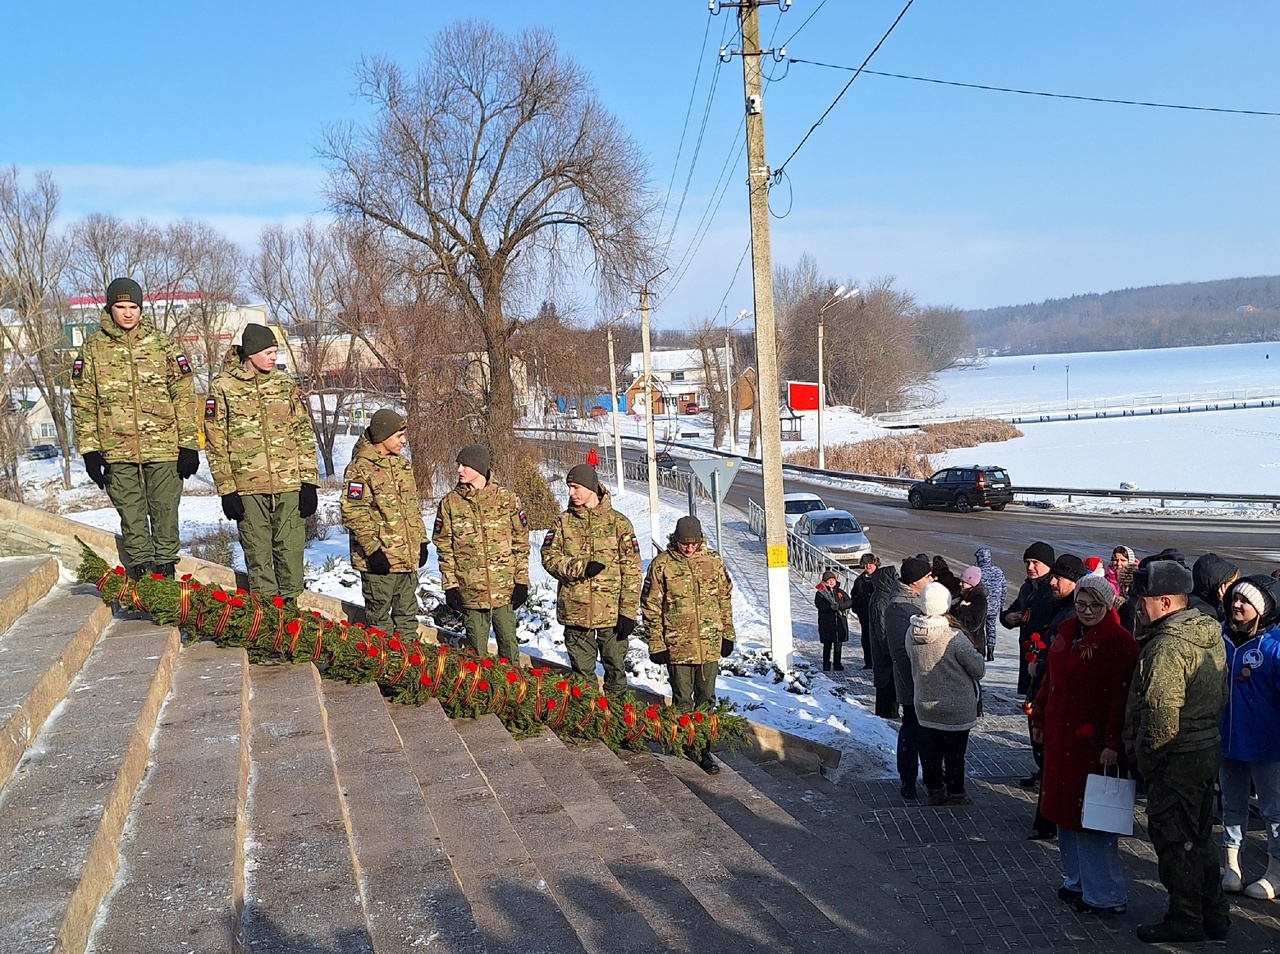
213	111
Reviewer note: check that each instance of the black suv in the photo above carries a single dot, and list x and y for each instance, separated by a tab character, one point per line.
963	488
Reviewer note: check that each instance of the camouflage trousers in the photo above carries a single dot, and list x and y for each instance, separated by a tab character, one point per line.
146	496
693	685
1180	822
503	621
273	536
391	602
584	645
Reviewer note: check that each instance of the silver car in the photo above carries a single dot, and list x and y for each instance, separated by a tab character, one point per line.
835	531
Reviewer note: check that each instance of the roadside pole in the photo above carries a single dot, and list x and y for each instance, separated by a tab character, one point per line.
651	447
731	410
715	495
613	399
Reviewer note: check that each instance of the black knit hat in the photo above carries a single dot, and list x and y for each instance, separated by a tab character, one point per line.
1039	551
1068	567
385	423
123	289
475	456
913	570
688	530
584	475
256	338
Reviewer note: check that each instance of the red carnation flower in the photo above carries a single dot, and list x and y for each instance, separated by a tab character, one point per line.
685	720
513	678
551	704
119	571
395	645
577	692
372	652
470	666
482	686
504	660
236	602
374	631
697	717
343	623
293	627
487	663
1085	731
561	686
277	602
1030	657
186	577
361	647
415	659
220	596
358	625
157	576
651	712
603	704
424	680
315	613
195	585
240	592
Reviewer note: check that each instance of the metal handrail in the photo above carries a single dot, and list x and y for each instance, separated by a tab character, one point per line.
804	556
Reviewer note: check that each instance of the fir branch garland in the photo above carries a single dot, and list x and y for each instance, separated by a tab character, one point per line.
412	673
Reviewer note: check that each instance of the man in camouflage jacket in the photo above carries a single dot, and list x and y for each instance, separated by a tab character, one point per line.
262	454
383	518
591	550
132	409
482	542
1171	735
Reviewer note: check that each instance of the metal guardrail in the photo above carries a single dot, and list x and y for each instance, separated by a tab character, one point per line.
1162	496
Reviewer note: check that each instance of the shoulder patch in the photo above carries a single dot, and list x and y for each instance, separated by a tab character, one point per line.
355	490
648	585
635	544
210	407
184	366
77	369
549	538
524	520
439	525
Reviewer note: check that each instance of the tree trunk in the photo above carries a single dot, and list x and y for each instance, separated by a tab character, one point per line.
500	418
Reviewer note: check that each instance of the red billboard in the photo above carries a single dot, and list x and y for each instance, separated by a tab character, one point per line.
802	396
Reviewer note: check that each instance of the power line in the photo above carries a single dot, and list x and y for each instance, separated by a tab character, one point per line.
1046	95
788	40
685	128
856	74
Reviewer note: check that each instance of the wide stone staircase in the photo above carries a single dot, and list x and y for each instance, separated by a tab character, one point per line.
167	798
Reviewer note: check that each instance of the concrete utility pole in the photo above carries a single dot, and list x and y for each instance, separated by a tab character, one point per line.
651	448
730	407
775	526
613	400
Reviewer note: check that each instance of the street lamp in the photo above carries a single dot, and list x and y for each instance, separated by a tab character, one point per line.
839	295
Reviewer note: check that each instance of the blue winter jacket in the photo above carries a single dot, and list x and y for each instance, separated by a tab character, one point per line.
1250	724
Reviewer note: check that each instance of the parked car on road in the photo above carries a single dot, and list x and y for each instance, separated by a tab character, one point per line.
665	461
42	452
794	506
836	532
963	488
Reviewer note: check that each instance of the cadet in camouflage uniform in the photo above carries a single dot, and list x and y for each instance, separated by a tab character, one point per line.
688	615
383	519
482	541
592	550
132	407
262	454
1171	735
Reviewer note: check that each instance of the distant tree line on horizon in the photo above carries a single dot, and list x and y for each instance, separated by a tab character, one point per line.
1161	316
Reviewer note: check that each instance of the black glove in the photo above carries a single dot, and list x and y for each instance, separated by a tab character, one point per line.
377	563
306	500
593	568
626	626
662	659
519	595
96	467
453	599
188	462
424	551
726	647
233	506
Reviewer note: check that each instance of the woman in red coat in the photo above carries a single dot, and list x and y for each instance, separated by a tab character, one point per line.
1079	714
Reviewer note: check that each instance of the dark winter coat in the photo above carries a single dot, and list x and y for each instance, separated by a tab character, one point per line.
862	590
969	613
942	574
1207	575
1080	708
1030	612
832	604
903	607
885	585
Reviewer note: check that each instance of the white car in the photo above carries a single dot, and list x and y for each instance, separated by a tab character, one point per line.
797	505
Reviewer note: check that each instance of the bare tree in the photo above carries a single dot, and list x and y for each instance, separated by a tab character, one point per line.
217	270
33	260
941	336
496	159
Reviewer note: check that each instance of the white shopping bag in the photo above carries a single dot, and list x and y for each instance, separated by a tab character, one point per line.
1108	804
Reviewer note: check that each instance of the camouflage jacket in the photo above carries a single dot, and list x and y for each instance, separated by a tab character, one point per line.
482	540
579	536
258	437
132	396
687	605
380	508
1178	689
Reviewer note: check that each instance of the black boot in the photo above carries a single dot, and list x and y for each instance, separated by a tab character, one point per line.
835	659
136	573
708	764
167	570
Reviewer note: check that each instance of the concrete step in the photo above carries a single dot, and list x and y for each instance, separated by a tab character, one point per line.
674	912
598	907
815	852
180	885
66	804
24	581
750	854
508	894
412	899
723	885
301	889
40	653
